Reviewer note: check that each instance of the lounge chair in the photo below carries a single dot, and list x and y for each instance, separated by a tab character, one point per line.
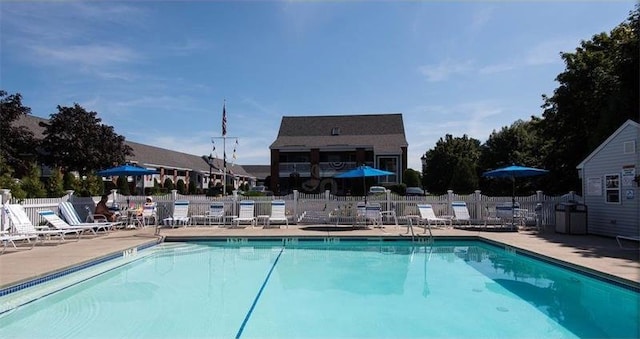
57	223
149	212
180	214
373	214
22	225
626	238
461	213
428	216
73	219
10	239
278	213
245	214
361	213
215	213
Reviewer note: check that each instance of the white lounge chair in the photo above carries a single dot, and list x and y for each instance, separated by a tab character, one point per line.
149	213
361	213
57	223
245	214
22	225
428	216
461	213
73	219
373	214
180	214
278	213
10	239
215	213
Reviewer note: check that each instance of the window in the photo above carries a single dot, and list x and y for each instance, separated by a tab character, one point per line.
612	188
389	164
629	147
335	131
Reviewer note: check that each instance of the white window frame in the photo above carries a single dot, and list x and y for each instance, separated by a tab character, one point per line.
610	187
385	179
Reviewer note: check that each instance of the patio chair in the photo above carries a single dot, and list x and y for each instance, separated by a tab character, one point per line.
148	213
461	213
215	213
278	213
10	239
361	213
57	223
373	214
180	214
245	214
428	216
22	225
72	218
621	239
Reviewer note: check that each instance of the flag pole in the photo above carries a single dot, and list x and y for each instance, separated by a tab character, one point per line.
224	147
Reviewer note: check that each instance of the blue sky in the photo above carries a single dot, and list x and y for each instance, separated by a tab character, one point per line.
158	71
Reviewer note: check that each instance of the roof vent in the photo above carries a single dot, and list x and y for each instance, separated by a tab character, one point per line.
335	131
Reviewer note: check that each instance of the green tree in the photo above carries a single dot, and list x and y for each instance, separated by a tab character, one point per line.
70	182
181	187
193	189
7	181
518	144
55	184
448	153
17	143
31	183
76	140
168	185
412	178
597	92
464	178
93	185
123	185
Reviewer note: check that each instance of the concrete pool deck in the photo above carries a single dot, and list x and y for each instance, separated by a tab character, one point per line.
595	254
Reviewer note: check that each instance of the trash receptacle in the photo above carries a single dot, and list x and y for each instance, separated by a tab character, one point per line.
571	218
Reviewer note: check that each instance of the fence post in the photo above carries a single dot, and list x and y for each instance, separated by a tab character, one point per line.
478	203
449	201
296	195
539	209
6	197
174	195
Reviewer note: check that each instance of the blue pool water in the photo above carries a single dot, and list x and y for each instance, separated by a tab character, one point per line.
329	290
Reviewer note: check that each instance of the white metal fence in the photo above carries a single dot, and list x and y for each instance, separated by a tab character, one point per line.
303	207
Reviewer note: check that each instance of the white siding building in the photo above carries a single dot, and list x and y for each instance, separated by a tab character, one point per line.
610	183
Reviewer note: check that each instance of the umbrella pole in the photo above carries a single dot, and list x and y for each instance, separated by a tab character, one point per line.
513	201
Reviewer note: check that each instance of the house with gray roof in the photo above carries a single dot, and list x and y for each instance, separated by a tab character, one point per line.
171	164
310	150
611	184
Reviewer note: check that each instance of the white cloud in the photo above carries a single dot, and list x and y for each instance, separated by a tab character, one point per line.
481	17
86	55
444	69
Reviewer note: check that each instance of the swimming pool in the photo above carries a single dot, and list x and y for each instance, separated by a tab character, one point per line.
330	289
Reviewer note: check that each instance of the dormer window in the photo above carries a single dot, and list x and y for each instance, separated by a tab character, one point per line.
335	131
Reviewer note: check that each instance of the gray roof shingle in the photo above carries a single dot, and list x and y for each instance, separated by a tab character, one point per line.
383	132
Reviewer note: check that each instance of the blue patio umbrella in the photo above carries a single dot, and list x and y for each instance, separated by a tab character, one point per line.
363	172
514	172
126	170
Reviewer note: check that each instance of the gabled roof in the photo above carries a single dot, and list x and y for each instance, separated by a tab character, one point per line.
258	171
626	124
147	155
382	132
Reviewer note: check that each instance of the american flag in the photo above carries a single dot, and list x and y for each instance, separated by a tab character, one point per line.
224	119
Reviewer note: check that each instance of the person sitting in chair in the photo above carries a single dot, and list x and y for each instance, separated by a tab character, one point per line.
101	208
